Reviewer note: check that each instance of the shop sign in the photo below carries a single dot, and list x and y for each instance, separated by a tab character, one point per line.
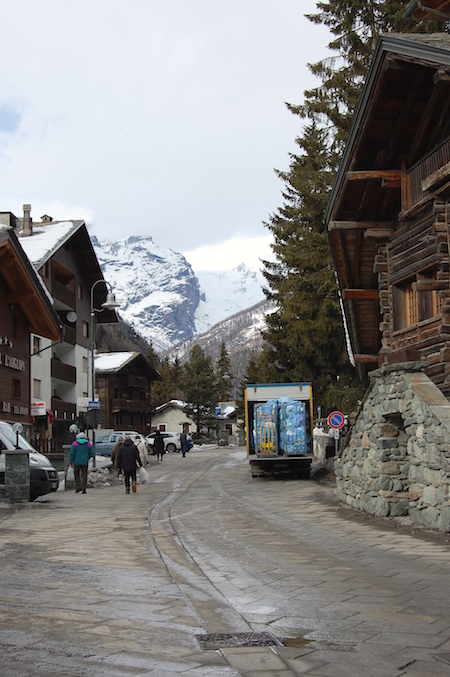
38	408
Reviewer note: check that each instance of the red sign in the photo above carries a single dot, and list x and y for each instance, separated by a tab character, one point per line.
336	420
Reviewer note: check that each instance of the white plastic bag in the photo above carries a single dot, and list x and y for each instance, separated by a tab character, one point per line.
70	475
143	475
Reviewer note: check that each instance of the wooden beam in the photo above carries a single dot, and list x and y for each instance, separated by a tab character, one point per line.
430	285
365	358
360	294
379	233
381	174
349	225
440	175
21	297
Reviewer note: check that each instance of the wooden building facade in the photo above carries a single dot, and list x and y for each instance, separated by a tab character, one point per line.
123	384
25	307
388	216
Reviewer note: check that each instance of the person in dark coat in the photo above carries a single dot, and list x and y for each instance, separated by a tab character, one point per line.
128	460
158	445
80	453
184	443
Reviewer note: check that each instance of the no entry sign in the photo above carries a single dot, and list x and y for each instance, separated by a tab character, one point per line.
336	420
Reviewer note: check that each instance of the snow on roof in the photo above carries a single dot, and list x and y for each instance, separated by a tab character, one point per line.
173	403
113	361
47	238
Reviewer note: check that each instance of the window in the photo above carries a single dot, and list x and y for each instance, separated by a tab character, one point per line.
36	344
85	365
17	389
414	301
162	427
80	291
36	388
85	329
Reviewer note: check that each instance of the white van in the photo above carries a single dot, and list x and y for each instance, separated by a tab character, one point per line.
43	476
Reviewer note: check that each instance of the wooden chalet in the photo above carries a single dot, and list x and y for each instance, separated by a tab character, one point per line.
388	216
123	383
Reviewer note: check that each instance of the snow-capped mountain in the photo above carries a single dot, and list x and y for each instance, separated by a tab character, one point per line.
163	299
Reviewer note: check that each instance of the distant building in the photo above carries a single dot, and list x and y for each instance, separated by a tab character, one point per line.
171	417
123	383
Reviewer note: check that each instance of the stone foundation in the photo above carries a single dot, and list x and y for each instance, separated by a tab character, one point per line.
397	461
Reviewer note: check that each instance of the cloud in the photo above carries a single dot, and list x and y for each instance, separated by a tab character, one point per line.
231	253
162	117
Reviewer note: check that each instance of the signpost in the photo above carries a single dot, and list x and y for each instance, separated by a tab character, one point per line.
336	421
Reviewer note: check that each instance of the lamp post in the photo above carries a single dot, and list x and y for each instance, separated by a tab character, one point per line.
109	304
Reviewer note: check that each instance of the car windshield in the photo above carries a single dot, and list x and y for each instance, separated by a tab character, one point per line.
12	438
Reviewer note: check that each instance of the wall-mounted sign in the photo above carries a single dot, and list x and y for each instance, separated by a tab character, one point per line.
38	408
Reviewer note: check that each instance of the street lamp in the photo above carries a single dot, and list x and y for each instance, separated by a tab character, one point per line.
109	304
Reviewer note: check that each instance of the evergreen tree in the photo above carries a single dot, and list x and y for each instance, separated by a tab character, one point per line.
152	357
200	388
305	338
170	387
224	375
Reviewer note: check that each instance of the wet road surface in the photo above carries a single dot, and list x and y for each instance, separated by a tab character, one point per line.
208	572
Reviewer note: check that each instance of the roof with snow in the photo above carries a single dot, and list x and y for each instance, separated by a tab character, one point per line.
176	404
47	238
110	363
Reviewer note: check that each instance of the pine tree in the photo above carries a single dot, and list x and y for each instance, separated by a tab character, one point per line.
170	387
305	338
224	375
200	389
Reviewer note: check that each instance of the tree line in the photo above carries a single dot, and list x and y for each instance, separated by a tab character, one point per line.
198	383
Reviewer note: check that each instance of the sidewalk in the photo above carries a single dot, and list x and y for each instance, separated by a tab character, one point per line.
85	593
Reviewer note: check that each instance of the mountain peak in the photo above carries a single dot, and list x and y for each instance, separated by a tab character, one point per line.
163	299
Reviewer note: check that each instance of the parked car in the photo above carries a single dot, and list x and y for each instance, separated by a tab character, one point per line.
171	442
104	443
44	477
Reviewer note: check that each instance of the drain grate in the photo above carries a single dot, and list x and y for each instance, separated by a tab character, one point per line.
222	640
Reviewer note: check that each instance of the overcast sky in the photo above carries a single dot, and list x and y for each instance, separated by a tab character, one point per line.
163	118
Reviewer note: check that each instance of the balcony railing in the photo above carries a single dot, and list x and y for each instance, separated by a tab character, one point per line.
63	294
62	371
428	165
140	406
65	410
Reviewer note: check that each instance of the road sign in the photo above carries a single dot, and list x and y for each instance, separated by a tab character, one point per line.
94	404
336	420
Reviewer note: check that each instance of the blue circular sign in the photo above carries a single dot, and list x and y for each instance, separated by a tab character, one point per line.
336	420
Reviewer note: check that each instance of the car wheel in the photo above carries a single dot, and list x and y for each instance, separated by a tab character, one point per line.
171	447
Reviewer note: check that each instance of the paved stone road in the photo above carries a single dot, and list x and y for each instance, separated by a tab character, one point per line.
169	581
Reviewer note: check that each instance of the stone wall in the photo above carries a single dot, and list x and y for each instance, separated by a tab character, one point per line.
397	460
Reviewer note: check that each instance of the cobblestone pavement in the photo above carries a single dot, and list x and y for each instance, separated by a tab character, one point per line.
208	572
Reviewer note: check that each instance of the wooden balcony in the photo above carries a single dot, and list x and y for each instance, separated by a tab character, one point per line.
135	406
64	410
63	294
419	175
62	371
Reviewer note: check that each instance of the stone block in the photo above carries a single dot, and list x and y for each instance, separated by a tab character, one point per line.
389	468
429	495
387	443
415	492
445	518
400	508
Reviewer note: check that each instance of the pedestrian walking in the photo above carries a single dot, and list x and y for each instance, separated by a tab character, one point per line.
114	453
128	460
80	453
184	443
158	446
142	449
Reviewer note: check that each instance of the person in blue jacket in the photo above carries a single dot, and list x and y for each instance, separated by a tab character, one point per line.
80	453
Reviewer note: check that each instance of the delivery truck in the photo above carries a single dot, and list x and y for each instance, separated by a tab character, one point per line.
278	423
